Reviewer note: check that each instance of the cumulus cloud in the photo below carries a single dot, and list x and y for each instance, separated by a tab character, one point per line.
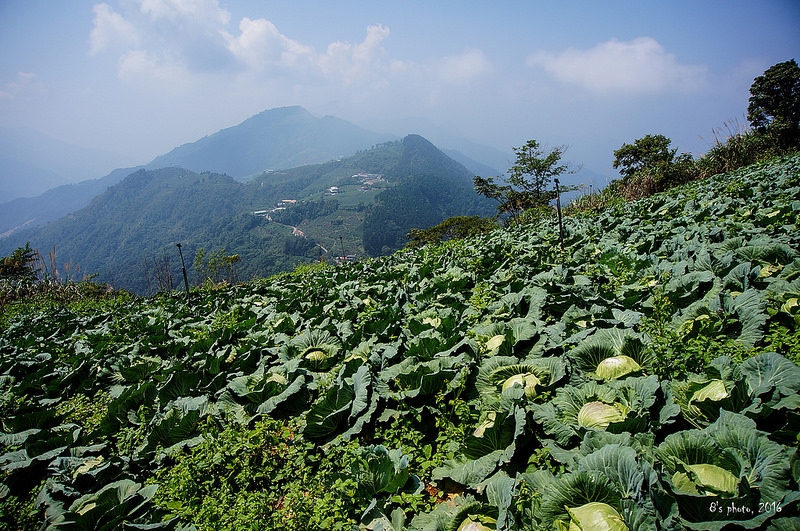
110	27
260	45
154	38
638	66
352	62
192	46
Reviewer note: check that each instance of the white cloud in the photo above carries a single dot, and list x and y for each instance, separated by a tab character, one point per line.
638	66
462	68
198	10
350	63
186	47
110	27
167	38
371	48
260	45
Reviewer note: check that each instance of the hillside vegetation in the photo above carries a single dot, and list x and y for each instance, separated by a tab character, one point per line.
275	139
642	377
129	232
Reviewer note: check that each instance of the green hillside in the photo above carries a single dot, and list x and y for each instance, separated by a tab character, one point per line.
278	138
643	377
55	203
129	232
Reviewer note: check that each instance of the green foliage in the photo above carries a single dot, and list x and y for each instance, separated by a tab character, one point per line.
27	283
534	215
267	477
19	265
740	148
217	267
495	381
774	103
534	170
456	227
649	165
87	412
647	154
528	179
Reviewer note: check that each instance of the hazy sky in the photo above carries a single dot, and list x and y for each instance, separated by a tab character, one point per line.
139	77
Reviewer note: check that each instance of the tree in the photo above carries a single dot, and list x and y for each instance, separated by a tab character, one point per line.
217	266
649	165
650	154
528	179
775	102
20	265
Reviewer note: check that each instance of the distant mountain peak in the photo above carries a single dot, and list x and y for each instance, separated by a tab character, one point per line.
279	138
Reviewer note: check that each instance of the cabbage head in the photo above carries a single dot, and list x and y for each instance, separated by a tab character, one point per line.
616	367
595	516
477	522
317	348
611	354
499	374
704	479
599	415
527	380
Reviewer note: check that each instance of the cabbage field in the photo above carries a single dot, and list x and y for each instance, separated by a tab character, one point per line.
643	377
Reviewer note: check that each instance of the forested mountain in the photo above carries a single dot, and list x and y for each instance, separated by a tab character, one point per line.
364	204
275	139
279	138
431	187
24	212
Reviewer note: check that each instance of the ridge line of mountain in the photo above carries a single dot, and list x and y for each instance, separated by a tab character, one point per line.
366	203
261	142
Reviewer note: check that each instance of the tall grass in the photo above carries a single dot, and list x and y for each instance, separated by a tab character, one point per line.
29	277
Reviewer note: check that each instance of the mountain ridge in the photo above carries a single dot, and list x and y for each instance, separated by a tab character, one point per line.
261	141
137	222
31	163
305	139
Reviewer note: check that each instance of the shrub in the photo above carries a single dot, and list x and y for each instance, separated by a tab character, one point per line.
452	228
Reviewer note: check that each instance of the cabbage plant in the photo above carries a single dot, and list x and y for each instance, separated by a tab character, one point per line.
726	472
533	375
616	406
610	354
765	387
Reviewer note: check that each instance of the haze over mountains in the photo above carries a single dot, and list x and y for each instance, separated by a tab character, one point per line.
32	163
364	204
275	139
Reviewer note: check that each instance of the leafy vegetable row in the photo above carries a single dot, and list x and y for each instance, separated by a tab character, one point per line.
644	377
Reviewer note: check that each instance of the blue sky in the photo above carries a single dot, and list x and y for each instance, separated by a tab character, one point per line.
139	77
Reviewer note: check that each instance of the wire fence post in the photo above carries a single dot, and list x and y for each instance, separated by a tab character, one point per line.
183	268
558	210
